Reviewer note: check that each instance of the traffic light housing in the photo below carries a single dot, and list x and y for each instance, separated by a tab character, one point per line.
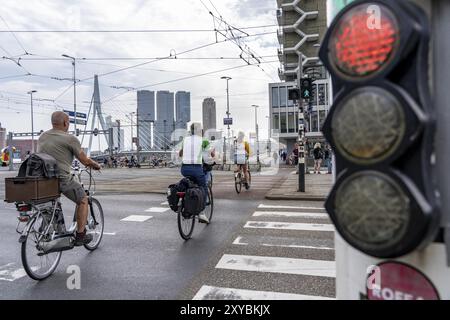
294	94
381	128
95	132
306	88
77	132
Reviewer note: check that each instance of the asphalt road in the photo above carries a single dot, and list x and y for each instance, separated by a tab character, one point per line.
149	260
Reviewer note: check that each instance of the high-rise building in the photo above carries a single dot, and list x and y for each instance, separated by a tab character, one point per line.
146	116
118	140
183	109
2	137
302	27
209	114
165	123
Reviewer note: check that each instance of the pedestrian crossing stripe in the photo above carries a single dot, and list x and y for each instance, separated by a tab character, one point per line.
290	214
9	273
268	243
319	268
136	218
221	293
157	209
264	206
289	226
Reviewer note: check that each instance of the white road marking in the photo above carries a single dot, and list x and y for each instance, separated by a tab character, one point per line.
238	241
290	214
295	246
289	226
165	203
307	267
9	273
109	233
136	218
263	206
296	243
157	209
220	293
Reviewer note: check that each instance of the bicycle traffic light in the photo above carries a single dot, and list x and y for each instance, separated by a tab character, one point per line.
381	128
95	132
77	132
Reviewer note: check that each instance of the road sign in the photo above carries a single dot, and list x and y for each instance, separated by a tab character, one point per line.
399	281
79	114
227	121
79	121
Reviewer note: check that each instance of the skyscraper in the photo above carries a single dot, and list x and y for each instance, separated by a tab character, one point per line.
165	123
146	115
209	114
2	137
183	109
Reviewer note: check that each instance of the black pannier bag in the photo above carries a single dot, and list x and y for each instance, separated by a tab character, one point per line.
181	186
194	201
39	165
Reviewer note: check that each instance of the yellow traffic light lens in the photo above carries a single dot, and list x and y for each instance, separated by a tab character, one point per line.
364	40
368	126
372	210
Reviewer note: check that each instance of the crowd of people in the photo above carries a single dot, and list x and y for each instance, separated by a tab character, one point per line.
322	157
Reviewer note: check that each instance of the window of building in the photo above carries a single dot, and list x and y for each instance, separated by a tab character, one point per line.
314	125
283	123
291	122
322	95
275	101
283	97
290	102
276	121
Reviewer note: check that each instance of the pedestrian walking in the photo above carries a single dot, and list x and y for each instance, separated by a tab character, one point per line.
318	157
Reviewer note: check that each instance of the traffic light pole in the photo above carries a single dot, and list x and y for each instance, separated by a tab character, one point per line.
10	151
441	75
301	131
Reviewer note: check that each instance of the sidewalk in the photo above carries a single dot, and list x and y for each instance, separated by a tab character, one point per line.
317	188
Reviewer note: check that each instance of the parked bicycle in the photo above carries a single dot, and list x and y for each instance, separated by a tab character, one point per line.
186	222
45	237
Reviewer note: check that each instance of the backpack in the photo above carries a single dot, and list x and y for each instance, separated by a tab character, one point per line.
39	165
194	201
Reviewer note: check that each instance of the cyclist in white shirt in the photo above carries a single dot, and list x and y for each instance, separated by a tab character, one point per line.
192	154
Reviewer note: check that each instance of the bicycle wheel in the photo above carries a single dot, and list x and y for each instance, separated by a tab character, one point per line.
210	208
95	227
36	263
238	182
185	225
249	182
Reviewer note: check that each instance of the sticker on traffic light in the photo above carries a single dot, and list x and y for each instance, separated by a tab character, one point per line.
306	88
381	127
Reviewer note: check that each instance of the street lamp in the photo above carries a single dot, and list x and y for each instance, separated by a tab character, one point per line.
257	132
74	91
32	120
228	111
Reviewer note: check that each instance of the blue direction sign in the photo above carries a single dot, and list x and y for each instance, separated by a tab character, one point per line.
79	121
79	115
227	121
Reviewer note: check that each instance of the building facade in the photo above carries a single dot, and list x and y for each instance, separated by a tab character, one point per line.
2	137
182	109
209	114
146	116
165	123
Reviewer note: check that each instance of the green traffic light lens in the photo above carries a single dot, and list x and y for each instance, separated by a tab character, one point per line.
368	126
372	210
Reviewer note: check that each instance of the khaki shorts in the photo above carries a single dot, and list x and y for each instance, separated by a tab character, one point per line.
73	190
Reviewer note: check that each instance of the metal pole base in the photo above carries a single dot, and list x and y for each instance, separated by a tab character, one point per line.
301	177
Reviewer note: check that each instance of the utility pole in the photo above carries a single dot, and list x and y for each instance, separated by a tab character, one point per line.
74	90
441	74
32	121
301	130
228	107
138	143
10	150
257	132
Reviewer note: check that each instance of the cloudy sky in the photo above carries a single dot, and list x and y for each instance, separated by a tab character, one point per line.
44	62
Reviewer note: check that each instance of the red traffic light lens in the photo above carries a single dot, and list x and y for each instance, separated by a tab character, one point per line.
368	125
372	210
364	40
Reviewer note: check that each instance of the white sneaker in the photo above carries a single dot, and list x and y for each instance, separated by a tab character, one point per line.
202	218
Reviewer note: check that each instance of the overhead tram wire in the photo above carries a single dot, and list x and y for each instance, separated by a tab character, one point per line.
15	37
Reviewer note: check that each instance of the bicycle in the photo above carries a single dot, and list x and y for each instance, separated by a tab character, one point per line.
45	231
186	222
239	179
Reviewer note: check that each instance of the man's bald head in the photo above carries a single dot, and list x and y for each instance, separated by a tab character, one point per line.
60	120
